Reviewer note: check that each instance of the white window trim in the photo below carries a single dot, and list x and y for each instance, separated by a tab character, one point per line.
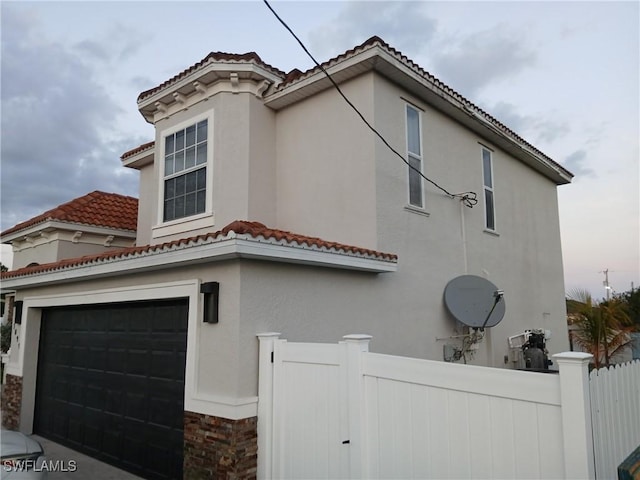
411	206
191	222
486	188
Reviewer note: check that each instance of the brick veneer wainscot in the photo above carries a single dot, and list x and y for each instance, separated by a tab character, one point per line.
11	402
220	448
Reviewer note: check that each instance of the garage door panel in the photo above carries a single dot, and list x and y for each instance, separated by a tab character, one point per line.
111	383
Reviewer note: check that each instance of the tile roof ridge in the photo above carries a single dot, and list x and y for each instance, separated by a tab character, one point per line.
213	56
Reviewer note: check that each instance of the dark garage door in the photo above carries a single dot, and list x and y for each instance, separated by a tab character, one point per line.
111	383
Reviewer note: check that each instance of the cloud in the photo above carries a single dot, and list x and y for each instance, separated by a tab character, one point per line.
539	127
142	83
575	164
548	131
404	25
116	44
58	135
508	114
469	63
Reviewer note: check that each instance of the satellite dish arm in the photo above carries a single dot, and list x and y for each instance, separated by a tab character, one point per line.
497	295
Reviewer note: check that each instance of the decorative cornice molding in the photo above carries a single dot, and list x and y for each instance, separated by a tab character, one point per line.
235	82
262	88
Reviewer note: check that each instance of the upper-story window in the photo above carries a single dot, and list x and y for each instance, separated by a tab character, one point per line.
414	157
489	201
185	171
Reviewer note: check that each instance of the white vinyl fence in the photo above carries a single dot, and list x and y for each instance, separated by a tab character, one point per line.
339	411
615	406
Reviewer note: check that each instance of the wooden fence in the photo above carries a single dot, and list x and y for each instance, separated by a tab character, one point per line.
340	411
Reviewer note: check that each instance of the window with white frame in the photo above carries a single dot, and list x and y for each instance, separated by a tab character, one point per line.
489	201
185	171
414	157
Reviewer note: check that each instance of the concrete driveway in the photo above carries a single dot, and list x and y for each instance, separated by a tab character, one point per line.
86	467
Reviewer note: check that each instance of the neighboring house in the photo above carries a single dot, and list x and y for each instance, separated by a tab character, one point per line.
94	223
266	205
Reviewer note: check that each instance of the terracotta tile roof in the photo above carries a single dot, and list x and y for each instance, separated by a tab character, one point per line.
252	230
215	57
97	208
295	75
141	148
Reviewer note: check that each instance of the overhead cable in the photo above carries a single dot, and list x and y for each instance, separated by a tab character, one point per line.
468	198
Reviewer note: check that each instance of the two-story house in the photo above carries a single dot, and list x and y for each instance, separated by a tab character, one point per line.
266	204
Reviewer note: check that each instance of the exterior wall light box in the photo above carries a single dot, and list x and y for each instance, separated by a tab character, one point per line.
211	291
18	311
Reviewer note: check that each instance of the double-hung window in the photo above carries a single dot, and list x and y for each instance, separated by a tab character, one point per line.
489	201
185	171
414	157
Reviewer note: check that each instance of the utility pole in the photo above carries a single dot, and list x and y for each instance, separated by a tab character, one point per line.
606	283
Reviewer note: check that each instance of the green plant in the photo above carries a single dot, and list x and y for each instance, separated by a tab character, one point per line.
5	337
601	329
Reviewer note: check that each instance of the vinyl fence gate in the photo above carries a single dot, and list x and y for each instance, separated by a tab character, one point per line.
338	411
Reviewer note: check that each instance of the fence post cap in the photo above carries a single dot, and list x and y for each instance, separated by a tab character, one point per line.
572	357
268	335
357	337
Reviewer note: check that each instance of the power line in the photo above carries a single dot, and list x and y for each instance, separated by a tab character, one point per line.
469	198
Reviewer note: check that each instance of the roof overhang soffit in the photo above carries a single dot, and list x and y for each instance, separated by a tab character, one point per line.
140	159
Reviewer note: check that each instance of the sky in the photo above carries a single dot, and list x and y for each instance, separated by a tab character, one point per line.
564	75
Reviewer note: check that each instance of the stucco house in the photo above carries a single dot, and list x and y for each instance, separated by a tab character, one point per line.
267	205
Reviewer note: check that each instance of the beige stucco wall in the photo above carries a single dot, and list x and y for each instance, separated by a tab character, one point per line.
326	169
524	258
44	252
59	246
147	202
243	173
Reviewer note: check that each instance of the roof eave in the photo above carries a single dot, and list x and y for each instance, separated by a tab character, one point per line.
235	247
377	58
52	225
140	159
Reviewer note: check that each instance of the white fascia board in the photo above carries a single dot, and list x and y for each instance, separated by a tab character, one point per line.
50	225
216	251
140	159
303	255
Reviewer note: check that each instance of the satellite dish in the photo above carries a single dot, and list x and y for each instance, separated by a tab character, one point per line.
474	301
